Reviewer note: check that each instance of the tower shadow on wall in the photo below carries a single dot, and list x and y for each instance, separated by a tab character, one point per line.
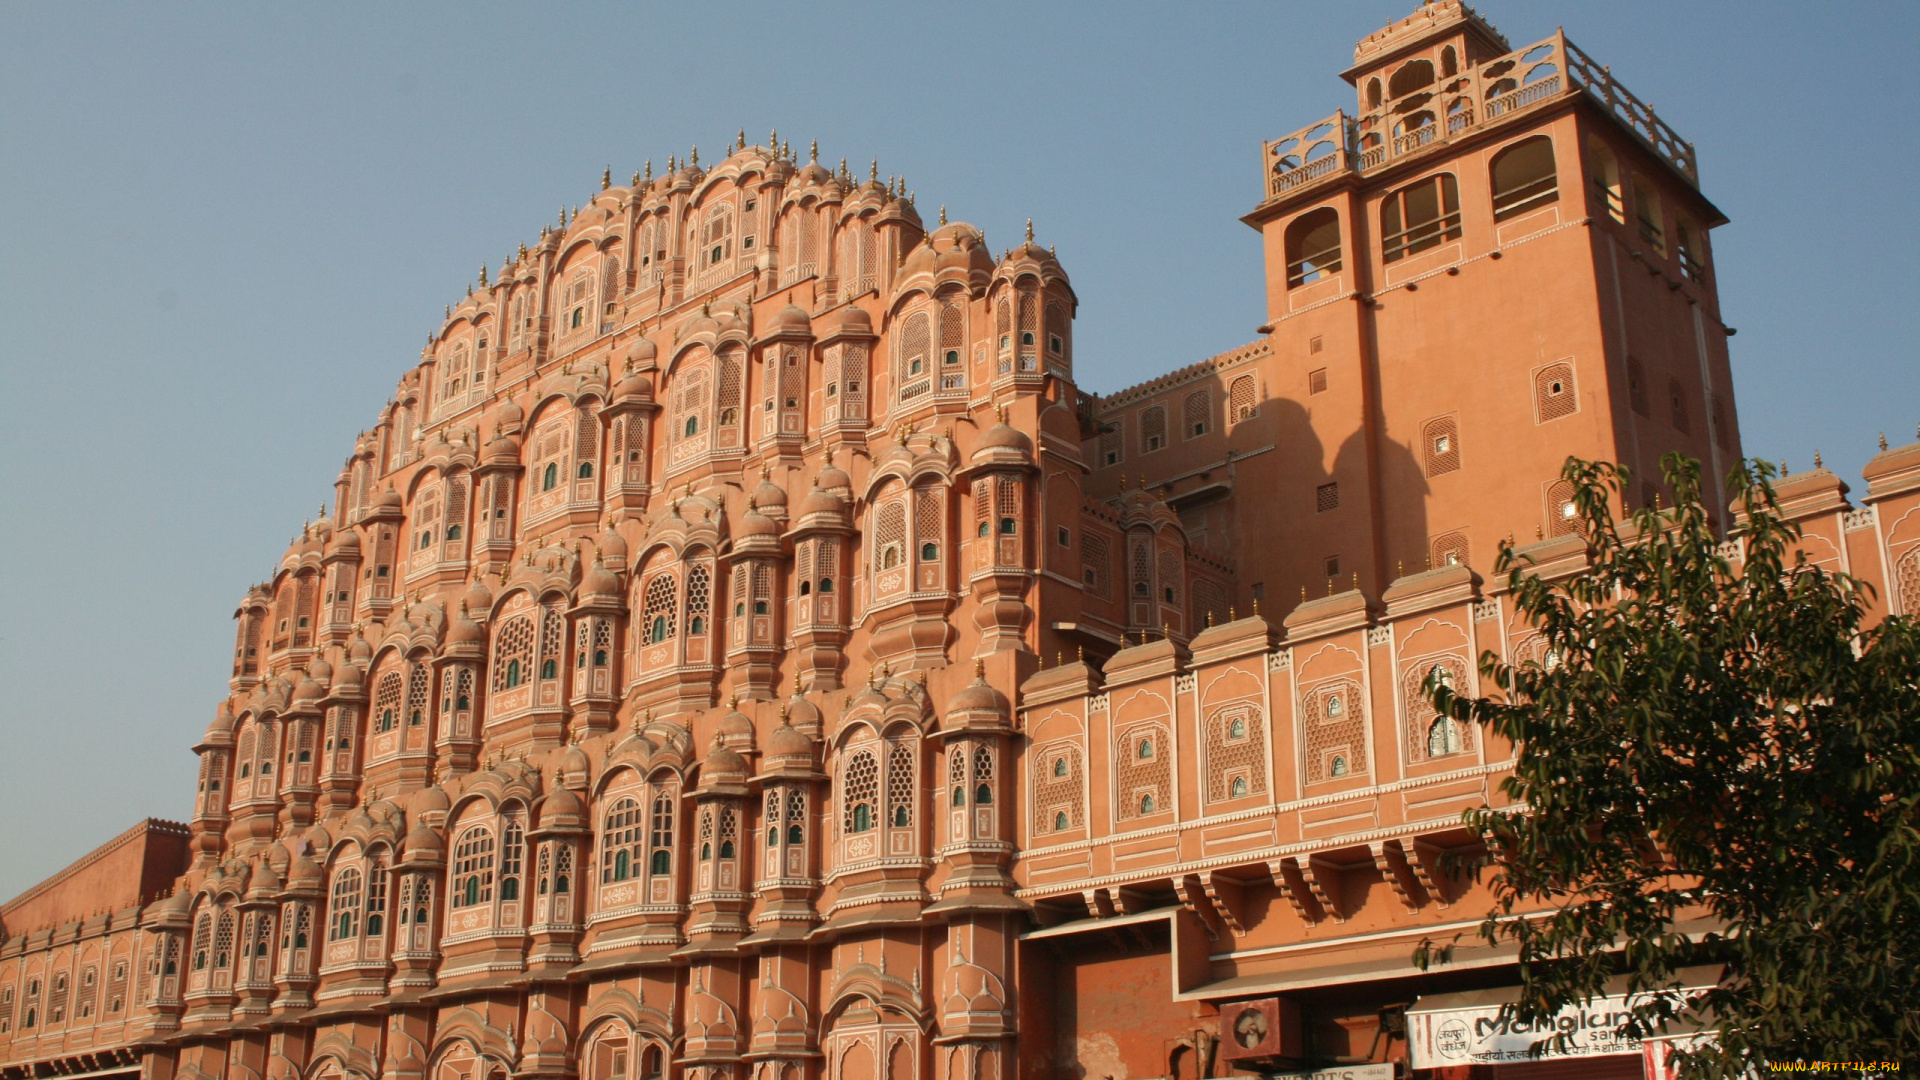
1304	519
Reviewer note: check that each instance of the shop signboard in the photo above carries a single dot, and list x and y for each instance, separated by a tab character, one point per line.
1491	1035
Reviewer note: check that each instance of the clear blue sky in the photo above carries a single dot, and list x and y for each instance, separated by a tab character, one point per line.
229	228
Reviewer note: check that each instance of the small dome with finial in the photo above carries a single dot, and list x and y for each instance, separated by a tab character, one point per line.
723	764
767	495
502	449
790	319
599	582
978	701
478	599
735	728
464	630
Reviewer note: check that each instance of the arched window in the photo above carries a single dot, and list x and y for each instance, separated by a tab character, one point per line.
1339	766
1374	94
1240	400
1603	172
202	941
660	860
346	904
512	852
900	785
512	652
473	867
699	582
1313	246
1421	216
1146	804
861	791
1449	62
1144	750
796	817
1443	737
376	898
1646	202
1524	177
660	607
550	476
1410	76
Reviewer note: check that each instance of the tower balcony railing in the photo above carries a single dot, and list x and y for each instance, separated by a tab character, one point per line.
1456	105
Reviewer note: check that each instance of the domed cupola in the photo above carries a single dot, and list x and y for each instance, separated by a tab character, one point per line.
477	601
978	706
735	729
769	497
465	636
599	583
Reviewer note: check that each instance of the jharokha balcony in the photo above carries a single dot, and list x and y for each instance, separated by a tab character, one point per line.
1409	117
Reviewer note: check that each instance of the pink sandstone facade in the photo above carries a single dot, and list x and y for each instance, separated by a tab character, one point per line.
740	649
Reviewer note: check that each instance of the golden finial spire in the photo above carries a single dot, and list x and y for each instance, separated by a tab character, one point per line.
979	668
773	139
606	178
648	175
636	179
1166	631
813	152
943	213
1816	459
796	682
1883	440
694	158
873	174
483	273
1029	230
743	138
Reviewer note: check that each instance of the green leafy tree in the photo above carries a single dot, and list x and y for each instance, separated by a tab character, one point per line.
1718	740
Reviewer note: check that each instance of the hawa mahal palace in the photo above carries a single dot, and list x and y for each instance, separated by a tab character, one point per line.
741	651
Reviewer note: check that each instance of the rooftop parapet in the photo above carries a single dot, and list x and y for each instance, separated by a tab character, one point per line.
1436	114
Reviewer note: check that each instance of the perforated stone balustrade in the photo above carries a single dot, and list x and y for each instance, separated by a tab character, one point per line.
1435	114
